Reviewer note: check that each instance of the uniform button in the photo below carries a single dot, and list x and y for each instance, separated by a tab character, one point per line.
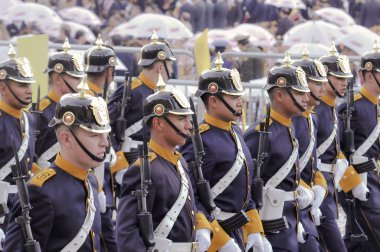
28	160
188	197
22	122
193	227
352	172
192	212
216	229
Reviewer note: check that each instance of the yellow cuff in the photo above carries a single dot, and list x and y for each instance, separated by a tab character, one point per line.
304	184
341	155
350	179
254	225
202	222
121	162
220	237
36	168
320	180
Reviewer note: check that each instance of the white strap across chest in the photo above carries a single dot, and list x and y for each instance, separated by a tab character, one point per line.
227	179
129	142
280	175
6	169
325	145
306	156
167	223
85	229
43	160
369	141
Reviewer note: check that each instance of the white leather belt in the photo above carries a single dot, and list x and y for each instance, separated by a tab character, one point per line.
129	143
6	169
184	247
281	174
167	223
325	145
274	202
225	215
327	168
289	196
43	160
369	141
85	229
232	173
306	156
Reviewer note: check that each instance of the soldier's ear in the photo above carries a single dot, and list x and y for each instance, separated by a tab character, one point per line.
212	101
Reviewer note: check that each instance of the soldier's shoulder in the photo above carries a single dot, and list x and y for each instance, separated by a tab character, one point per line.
203	127
358	96
44	103
136	82
152	156
257	127
40	178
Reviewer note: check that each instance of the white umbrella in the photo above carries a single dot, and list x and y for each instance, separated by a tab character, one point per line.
43	17
291	4
258	35
335	16
319	32
80	15
354	28
143	25
75	27
360	40
8	3
315	50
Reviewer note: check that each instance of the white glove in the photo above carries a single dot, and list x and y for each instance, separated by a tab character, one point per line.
340	168
360	192
317	214
2	238
304	196
102	202
255	241
300	233
230	246
203	238
267	245
319	195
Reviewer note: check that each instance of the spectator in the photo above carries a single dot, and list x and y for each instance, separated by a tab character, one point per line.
284	22
370	14
81	38
220	14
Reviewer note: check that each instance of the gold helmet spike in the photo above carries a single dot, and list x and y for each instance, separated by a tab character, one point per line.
376	47
219	62
83	87
305	53
11	52
333	51
287	60
99	41
66	46
154	38
161	85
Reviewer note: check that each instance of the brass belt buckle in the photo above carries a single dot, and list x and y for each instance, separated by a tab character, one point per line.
194	247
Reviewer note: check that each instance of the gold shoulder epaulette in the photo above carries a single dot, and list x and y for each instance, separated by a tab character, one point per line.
204	127
358	96
258	125
40	178
152	156
44	103
135	83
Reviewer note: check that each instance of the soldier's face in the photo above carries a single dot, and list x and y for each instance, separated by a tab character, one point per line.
301	98
183	123
235	102
72	81
23	91
340	85
318	89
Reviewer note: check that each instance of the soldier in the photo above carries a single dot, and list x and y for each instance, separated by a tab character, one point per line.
156	58
16	78
65	73
100	62
227	163
175	221
366	127
283	194
331	161
64	211
306	133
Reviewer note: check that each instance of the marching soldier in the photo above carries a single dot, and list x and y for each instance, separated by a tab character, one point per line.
331	160
16	78
65	73
227	164
157	58
306	133
169	197
100	62
365	124
283	194
64	211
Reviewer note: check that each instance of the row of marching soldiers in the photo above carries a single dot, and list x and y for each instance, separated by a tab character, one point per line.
181	186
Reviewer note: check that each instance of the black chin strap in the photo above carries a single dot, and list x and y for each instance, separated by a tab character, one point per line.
92	156
314	96
176	129
377	81
15	96
167	70
334	89
294	101
68	85
228	105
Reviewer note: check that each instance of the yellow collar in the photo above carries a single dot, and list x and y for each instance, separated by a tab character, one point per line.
94	88
166	154
280	118
9	110
307	113
147	82
328	100
69	168
218	123
53	95
369	96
